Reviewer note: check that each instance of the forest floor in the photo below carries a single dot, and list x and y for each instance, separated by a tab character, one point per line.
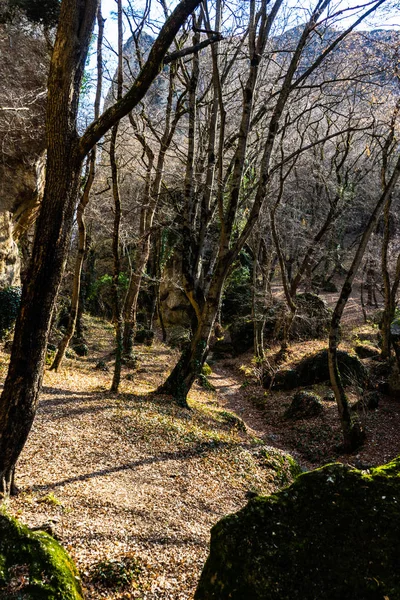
131	485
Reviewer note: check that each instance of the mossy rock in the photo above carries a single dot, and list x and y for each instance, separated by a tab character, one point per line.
304	405
368	401
333	534
283	466
365	350
144	336
80	349
314	369
33	566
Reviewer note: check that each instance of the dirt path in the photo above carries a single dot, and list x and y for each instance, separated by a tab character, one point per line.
231	397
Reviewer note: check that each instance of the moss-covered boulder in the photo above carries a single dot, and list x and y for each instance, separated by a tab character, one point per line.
314	369
33	566
304	405
366	350
333	534
312	317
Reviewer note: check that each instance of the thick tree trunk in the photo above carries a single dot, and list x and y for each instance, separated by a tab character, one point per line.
65	154
76	289
19	399
193	357
21	389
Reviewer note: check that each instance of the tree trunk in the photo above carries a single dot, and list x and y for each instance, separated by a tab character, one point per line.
193	357
21	389
76	290
65	155
353	435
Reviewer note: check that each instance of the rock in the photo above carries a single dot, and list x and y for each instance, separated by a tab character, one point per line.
314	369
80	349
179	337
33	565
101	365
333	534
369	401
312	317
304	405
330	396
365	350
284	468
144	336
23	74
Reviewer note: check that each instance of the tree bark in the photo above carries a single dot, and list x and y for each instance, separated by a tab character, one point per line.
65	154
353	435
21	389
76	288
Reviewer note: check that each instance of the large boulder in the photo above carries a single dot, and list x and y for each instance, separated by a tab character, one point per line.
304	405
314	369
34	566
333	534
312	317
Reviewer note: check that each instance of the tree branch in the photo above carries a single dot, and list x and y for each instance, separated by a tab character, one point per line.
148	73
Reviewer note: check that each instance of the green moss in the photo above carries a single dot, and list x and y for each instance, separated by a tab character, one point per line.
333	534
49	573
206	370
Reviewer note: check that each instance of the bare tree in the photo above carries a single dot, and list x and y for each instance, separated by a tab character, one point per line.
66	152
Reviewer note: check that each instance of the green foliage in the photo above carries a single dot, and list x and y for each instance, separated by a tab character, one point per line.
10	299
206	370
117	573
99	299
50	499
237	293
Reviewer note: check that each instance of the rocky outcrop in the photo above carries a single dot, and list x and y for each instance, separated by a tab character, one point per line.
33	565
9	254
23	73
333	534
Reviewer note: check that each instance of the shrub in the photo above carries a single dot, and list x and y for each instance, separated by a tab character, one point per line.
10	299
118	572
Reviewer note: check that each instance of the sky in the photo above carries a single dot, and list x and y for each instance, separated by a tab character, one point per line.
389	20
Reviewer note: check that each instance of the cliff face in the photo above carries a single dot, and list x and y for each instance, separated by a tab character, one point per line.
23	73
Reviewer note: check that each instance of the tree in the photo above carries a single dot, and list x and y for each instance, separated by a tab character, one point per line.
66	152
210	237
